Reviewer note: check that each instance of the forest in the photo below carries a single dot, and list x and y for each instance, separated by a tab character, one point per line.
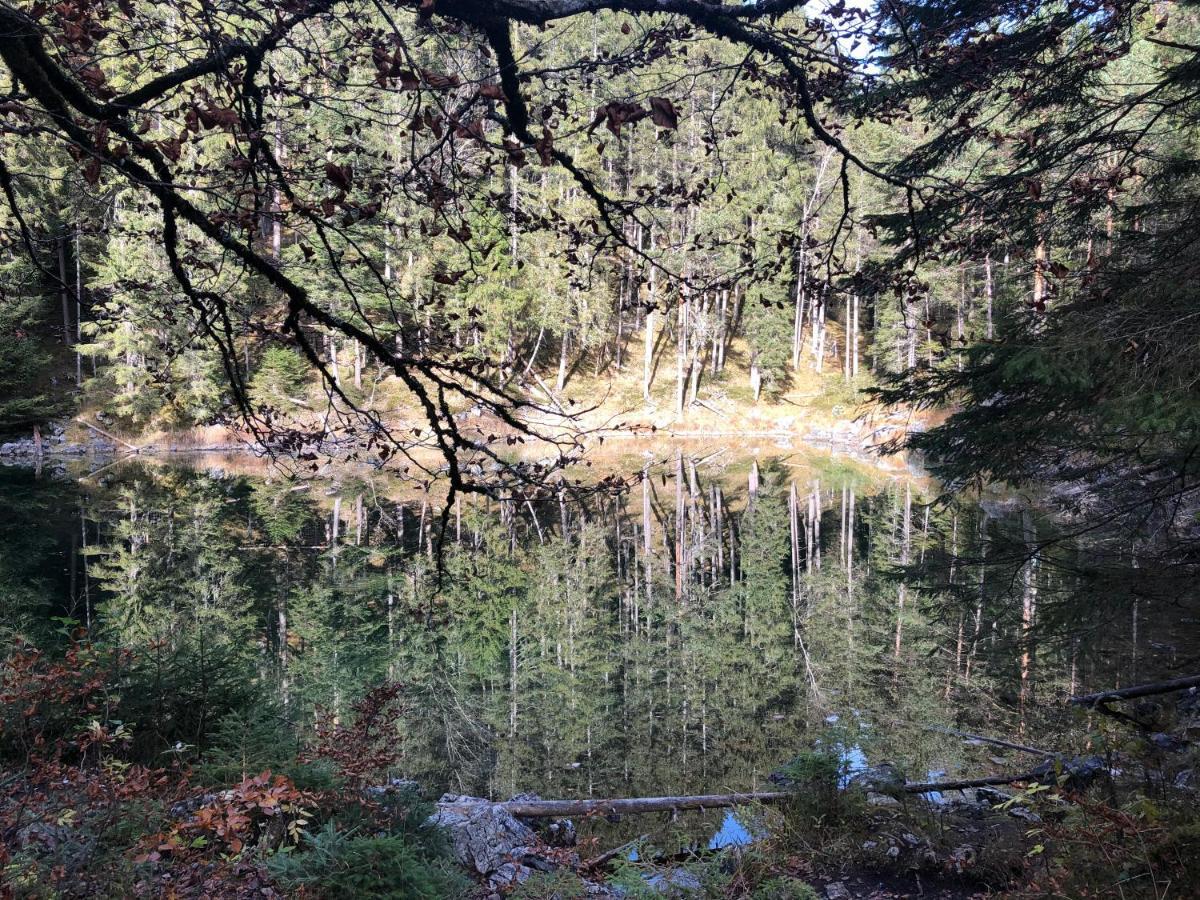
781	410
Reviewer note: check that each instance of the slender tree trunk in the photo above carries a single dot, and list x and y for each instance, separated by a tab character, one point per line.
681	343
332	349
855	333
79	311
64	292
651	319
680	527
988	291
1040	257
1028	609
798	324
563	351
819	332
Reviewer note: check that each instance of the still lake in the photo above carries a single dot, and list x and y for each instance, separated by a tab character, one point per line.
687	636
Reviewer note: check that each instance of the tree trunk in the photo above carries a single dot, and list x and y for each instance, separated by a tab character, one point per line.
798	324
64	293
79	312
651	316
681	344
989	291
818	326
563	347
1040	258
854	341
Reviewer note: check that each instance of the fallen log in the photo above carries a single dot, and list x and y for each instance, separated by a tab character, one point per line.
538	809
932	787
1139	690
530	809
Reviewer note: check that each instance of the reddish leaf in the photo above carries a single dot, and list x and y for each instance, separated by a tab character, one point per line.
341	177
663	113
616	113
545	147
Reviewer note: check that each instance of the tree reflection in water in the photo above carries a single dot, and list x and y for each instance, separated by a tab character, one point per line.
687	637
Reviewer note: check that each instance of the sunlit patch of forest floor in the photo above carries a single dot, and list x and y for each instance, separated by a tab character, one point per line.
598	403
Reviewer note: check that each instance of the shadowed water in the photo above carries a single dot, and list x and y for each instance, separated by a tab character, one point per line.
689	636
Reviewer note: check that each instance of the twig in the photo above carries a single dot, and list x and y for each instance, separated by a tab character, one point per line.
111	437
988	740
598	861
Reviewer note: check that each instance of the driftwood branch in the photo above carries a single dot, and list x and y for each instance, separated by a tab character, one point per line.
609	855
1140	690
989	740
112	437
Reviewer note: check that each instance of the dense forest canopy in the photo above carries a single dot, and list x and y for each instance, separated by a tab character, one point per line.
427	207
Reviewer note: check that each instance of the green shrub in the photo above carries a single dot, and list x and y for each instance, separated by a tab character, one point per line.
248	741
280	378
784	889
815	777
337	864
560	885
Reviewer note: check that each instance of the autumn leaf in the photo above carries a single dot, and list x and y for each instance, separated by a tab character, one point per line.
545	147
663	113
214	116
449	277
438	81
341	177
616	113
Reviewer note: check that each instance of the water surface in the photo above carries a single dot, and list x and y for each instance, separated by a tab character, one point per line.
686	637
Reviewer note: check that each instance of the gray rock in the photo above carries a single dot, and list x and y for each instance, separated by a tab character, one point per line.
484	836
42	837
837	891
509	875
1074	774
962	858
674	882
396	786
560	833
1026	815
1169	743
991	796
874	799
884	778
595	889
